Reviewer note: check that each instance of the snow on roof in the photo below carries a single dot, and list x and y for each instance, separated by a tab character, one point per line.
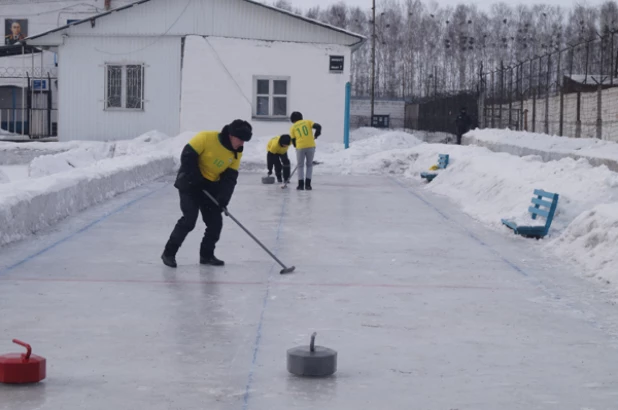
92	19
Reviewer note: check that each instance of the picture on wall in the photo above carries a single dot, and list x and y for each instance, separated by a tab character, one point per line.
15	30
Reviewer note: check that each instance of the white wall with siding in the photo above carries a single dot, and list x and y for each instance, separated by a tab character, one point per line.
217	84
223	18
81	78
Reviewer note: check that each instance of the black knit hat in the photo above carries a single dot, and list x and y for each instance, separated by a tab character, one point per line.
285	139
296	116
240	129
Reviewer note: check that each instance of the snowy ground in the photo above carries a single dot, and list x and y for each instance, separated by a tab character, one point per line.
486	185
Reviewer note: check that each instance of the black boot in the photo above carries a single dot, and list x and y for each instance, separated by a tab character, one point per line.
301	185
211	260
169	259
308	184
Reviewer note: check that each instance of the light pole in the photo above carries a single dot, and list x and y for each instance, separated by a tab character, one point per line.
373	61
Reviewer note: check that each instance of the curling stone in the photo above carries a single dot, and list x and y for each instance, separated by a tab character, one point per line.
312	361
20	368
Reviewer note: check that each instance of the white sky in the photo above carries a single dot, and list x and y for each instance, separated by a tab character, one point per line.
482	4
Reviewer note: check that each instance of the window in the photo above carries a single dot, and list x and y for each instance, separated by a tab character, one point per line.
124	87
270	97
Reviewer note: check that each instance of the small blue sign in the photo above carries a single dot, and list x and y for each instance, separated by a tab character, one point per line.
39	84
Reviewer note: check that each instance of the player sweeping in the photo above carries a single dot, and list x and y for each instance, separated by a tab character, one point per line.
209	162
277	156
304	141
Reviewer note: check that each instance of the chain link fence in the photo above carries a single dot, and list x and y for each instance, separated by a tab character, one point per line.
567	92
570	92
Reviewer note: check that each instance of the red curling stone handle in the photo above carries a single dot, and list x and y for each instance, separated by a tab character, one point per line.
26	345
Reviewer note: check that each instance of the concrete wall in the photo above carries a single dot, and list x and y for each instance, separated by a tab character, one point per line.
360	111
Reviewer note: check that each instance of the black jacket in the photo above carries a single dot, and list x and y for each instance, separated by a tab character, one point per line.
463	123
190	180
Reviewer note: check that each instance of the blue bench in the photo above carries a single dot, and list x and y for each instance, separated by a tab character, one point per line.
536	210
442	164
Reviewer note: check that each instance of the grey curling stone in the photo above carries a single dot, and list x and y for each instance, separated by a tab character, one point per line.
312	361
268	180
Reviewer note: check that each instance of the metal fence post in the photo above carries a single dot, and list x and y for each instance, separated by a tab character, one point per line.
346	119
534	91
561	90
510	99
501	96
600	94
547	88
493	98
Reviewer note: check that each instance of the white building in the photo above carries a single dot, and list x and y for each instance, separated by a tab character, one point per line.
140	67
20	19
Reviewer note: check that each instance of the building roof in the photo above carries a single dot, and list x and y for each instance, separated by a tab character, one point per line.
17	50
359	39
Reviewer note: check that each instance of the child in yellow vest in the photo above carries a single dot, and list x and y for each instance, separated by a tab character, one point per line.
277	156
304	141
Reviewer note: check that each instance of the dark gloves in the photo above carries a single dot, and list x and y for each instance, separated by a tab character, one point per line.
318	130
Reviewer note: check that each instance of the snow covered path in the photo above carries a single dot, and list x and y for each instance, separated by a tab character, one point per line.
427	308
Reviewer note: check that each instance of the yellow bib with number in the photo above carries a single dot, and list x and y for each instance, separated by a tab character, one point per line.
214	158
303	132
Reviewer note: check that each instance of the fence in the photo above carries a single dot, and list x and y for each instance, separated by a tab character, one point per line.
438	113
27	103
568	92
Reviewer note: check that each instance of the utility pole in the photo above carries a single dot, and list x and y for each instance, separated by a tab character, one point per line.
373	61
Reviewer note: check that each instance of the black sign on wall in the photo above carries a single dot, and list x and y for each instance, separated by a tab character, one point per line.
336	64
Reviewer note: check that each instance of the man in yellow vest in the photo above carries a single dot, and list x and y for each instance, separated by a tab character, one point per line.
277	156
304	141
209	162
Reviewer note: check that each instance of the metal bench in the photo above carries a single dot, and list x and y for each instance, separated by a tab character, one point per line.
536	210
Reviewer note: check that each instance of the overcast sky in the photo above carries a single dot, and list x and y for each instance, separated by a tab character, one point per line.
482	4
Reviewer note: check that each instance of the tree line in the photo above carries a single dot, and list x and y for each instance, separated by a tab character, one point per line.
423	48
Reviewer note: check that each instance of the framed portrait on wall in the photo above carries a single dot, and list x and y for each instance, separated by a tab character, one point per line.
15	30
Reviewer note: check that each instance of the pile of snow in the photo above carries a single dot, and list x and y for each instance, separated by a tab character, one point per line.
70	177
548	147
27	208
89	153
592	241
14	153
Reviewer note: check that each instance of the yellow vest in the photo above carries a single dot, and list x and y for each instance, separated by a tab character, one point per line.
274	148
303	132
214	158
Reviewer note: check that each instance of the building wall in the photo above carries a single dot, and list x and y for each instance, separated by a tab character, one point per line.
217	83
81	79
44	15
360	111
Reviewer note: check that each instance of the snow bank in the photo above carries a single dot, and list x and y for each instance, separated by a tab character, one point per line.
27	208
91	152
17	153
547	147
592	241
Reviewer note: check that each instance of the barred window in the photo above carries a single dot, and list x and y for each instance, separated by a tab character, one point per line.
124	88
270	97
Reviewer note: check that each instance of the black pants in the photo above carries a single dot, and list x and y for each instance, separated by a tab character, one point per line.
459	135
191	204
280	162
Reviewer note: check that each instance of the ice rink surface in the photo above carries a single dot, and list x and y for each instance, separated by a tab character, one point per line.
427	309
